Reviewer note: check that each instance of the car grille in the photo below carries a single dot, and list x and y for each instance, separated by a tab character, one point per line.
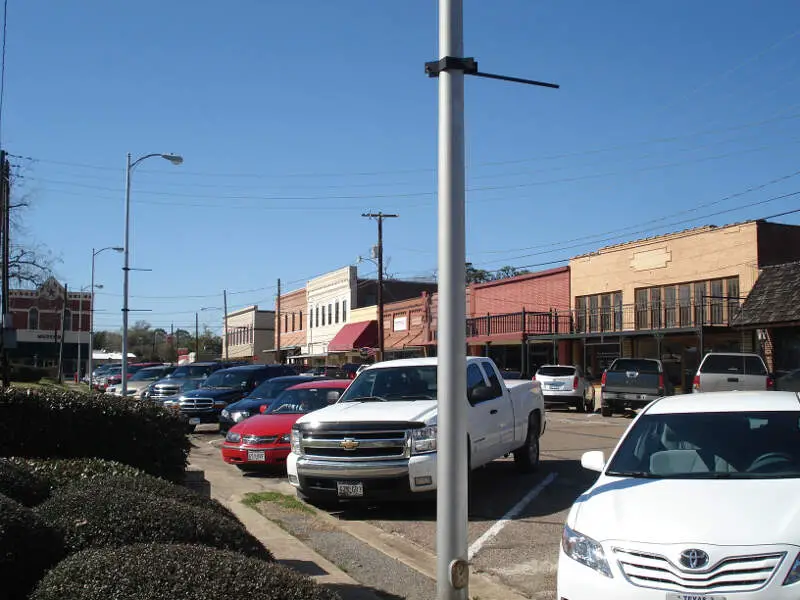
196	404
355	445
731	574
162	391
259	439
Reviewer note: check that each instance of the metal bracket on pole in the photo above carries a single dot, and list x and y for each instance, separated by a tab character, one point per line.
469	66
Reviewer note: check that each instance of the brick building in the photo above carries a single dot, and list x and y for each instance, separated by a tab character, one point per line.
292	322
516	320
249	334
36	316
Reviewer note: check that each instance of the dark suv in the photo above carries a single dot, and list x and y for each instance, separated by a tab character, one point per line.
221	388
173	384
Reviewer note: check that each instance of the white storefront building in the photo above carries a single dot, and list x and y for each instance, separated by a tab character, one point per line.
330	299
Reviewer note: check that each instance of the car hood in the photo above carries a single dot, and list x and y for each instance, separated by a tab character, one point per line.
138	385
266	425
417	411
249	403
665	511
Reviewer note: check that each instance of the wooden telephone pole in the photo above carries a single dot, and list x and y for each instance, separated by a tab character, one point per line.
379	216
278	325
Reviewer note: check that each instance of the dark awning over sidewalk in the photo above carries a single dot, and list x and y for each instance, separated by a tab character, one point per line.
354	336
774	299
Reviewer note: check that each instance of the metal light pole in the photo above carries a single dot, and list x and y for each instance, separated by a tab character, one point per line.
85	288
175	160
91	309
452	570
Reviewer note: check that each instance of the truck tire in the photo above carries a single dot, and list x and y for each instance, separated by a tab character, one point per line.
606	411
526	458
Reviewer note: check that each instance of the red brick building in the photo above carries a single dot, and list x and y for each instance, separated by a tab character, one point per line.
516	320
292	322
407	327
36	318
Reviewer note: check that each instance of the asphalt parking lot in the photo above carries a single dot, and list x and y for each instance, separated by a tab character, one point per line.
515	520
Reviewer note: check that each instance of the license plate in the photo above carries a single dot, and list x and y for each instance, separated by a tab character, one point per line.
638	397
673	596
194	421
553	386
350	489
256	455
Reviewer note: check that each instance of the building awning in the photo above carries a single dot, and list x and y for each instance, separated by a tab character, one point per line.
355	336
774	299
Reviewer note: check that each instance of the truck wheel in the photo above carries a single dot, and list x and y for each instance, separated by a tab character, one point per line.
606	411
580	405
526	458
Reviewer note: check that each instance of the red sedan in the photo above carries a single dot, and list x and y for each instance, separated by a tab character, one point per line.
264	439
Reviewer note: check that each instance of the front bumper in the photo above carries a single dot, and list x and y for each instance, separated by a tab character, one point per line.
413	477
239	455
627	400
576	581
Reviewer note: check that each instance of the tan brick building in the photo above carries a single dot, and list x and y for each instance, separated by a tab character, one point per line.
248	333
671	296
293	322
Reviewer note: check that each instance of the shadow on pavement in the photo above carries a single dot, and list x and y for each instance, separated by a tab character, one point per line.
360	592
306	567
493	491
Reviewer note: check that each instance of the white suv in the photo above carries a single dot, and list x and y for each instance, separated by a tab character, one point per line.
728	371
697	502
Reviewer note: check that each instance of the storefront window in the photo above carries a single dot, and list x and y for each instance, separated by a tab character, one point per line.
641	309
655	308
685	294
593	314
717	302
580	314
605	315
670	307
699	303
732	292
617	311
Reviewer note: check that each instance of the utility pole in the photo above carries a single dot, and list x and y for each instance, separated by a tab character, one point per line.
225	321
61	344
277	325
452	569
5	228
172	344
379	216
196	336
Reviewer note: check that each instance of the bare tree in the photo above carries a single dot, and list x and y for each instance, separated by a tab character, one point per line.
29	263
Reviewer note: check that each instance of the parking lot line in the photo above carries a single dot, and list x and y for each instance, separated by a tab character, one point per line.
513	513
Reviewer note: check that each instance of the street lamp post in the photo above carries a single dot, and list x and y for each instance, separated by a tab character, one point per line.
175	160
85	288
91	310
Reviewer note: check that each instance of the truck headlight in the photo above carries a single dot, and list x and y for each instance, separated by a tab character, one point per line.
585	550
286	438
295	441
239	415
794	573
423	440
233	437
226	413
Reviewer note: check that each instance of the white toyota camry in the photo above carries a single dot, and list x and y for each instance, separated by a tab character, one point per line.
700	500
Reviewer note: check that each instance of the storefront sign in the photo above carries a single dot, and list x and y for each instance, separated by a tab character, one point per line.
400	323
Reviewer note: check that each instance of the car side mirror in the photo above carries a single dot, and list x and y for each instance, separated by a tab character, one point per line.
593	461
481	393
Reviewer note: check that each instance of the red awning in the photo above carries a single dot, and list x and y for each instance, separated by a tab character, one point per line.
355	336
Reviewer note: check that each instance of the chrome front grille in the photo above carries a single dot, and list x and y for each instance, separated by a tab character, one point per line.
729	575
259	439
355	445
162	391
196	404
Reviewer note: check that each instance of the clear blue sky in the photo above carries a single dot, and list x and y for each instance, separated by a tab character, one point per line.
295	117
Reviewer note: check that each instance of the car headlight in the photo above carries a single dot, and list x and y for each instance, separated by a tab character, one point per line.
240	415
585	550
226	413
286	438
218	403
423	440
794	573
233	437
294	439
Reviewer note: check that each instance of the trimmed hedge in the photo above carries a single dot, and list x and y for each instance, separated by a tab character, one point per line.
58	472
98	516
171	571
153	486
28	547
60	424
21	484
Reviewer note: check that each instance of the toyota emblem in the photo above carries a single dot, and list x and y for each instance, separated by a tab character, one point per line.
694	558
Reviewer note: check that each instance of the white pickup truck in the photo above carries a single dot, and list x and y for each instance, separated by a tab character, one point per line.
379	440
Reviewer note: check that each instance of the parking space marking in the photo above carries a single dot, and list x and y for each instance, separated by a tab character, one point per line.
513	512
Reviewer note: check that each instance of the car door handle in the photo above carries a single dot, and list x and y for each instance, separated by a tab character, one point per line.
733	379
493	411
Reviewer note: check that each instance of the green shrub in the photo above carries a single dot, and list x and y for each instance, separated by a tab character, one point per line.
20	484
61	424
170	572
58	472
97	516
28	547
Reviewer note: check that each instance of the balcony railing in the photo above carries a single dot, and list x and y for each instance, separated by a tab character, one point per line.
708	312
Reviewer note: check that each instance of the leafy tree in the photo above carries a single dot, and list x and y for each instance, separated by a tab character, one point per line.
506	272
477	275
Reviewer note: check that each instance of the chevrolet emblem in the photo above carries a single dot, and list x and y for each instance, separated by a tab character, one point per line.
349	444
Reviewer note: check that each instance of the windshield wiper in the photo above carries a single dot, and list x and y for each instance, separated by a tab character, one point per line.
635	474
366	399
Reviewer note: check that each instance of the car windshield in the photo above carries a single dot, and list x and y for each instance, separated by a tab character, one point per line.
191	371
632	364
722	445
148	374
303	401
393	383
227	379
731	364
272	388
556	371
